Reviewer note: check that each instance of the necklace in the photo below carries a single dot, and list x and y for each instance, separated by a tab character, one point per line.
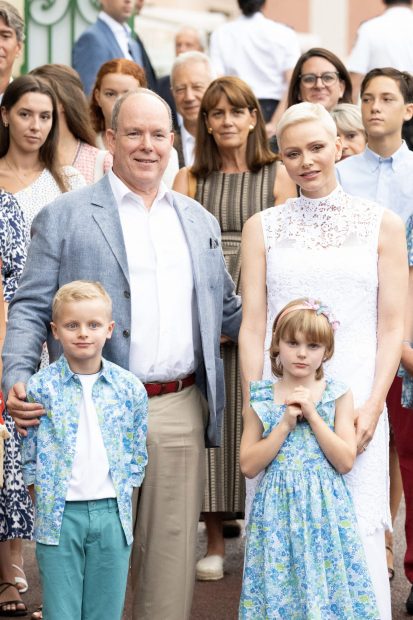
29	178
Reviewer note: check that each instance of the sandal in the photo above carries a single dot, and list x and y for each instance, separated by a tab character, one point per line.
20	581
11	613
389	558
37	614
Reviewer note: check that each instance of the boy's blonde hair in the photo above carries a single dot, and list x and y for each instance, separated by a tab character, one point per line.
314	327
80	290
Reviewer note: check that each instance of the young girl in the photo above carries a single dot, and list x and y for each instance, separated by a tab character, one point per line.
304	559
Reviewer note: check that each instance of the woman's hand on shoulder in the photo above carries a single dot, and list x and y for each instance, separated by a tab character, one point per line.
180	183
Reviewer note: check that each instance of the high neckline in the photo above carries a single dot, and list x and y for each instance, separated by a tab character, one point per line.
330	198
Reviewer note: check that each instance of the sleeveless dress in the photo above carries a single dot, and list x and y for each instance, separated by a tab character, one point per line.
304	559
232	199
327	249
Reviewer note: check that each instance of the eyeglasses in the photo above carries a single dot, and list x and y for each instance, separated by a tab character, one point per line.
328	78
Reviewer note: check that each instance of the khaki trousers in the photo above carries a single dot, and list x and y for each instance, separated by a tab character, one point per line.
168	506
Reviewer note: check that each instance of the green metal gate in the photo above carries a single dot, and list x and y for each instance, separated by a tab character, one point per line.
51	28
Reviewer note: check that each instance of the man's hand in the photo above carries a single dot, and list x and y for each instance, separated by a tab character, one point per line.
23	413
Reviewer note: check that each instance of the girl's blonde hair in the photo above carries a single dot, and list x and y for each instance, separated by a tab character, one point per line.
314	327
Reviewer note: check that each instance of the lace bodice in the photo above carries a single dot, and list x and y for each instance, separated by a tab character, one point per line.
327	249
336	221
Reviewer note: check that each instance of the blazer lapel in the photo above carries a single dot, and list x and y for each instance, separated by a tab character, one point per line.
106	215
186	217
110	37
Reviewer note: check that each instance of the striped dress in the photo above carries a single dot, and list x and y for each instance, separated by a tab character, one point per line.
232	199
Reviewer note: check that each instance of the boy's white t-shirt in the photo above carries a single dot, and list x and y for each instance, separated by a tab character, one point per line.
91	477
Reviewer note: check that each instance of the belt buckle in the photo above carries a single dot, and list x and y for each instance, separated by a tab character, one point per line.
179	385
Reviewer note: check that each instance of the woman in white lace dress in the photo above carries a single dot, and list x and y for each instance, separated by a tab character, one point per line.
350	253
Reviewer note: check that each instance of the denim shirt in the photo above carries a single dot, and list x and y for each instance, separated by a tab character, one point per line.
48	450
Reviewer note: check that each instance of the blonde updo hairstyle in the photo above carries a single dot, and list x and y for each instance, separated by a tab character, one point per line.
314	327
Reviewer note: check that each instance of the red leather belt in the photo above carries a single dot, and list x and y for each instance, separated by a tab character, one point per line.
157	389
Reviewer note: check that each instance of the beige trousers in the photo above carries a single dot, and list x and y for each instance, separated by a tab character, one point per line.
168	507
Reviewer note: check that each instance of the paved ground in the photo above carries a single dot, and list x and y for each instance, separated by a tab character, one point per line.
219	600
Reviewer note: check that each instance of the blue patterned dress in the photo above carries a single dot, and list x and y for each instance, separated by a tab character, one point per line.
304	559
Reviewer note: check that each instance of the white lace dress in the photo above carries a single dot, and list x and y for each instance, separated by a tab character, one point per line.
327	249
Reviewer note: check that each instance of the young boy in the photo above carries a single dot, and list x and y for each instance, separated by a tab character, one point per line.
384	171
81	462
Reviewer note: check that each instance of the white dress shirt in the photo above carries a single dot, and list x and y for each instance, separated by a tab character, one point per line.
384	41
165	334
90	478
258	50
188	146
121	32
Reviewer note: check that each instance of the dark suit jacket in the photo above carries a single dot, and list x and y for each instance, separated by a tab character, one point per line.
98	45
178	148
164	90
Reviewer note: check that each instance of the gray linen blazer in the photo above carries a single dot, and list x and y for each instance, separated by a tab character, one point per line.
79	236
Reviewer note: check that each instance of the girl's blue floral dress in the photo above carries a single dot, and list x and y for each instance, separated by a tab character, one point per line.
304	559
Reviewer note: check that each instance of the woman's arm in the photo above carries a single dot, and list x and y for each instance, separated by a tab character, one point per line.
284	187
339	446
254	304
392	295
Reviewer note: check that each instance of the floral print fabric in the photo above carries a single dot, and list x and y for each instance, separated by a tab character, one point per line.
13	243
407	385
304	559
48	450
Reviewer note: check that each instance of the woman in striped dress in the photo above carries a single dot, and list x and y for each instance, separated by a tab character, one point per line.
234	176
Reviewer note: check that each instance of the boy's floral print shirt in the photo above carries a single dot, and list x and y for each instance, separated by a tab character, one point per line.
48	450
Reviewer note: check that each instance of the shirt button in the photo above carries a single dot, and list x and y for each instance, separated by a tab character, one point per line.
126	294
126	333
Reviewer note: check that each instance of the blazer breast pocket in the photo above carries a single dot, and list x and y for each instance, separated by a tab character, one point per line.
211	266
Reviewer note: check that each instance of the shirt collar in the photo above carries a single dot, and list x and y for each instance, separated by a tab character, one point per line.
115	26
186	137
396	160
66	374
121	191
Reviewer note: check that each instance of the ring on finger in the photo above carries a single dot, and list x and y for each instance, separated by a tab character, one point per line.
364	448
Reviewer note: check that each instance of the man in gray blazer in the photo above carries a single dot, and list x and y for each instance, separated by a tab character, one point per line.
158	254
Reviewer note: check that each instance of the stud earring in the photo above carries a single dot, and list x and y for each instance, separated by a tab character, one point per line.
5	124
251	127
209	129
